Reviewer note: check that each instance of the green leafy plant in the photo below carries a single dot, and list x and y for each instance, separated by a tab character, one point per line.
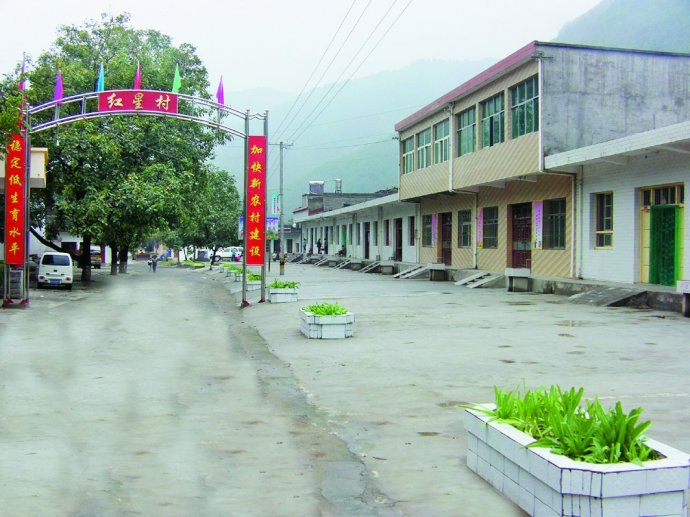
253	277
560	421
232	267
326	309
284	284
192	263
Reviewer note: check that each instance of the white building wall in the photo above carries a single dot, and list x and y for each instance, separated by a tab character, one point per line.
622	262
358	217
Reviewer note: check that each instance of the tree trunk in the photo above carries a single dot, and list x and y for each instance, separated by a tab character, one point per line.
113	260
85	259
123	259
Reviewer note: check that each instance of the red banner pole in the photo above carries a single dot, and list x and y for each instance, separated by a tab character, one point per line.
245	303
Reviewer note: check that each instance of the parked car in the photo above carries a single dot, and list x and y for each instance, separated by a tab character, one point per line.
55	268
96	257
232	253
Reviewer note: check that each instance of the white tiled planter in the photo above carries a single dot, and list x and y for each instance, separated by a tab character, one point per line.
282	294
546	484
253	285
327	327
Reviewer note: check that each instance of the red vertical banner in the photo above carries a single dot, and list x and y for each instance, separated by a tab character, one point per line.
256	201
15	177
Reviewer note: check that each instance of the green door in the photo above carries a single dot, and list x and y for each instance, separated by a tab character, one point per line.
664	252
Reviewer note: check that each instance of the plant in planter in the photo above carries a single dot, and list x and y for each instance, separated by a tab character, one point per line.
280	291
554	456
326	321
233	271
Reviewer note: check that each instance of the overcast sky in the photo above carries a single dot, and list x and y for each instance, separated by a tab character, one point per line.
278	43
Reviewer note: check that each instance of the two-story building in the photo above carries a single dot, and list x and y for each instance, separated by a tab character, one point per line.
568	160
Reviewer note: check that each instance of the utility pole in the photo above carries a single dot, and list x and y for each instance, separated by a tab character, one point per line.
280	196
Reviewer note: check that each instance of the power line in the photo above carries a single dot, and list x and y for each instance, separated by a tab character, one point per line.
335	34
305	125
294	136
278	135
318	148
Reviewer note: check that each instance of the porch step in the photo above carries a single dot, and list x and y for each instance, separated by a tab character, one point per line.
343	264
606	296
370	267
482	281
321	262
413	271
472	278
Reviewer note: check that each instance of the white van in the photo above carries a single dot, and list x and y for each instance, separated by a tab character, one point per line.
55	268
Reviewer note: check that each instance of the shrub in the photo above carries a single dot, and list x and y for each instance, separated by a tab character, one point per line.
326	309
558	420
253	276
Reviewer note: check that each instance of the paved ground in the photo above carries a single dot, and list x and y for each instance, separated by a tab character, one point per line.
421	348
155	395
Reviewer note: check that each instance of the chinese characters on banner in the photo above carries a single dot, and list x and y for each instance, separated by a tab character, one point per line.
538	209
480	228
137	100
256	200
14	202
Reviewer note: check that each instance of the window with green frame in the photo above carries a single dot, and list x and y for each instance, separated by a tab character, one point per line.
604	220
524	107
554	224
426	230
424	148
490	227
441	142
493	121
408	155
465	229
467	131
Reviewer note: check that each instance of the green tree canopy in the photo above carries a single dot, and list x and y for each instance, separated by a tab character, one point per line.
118	179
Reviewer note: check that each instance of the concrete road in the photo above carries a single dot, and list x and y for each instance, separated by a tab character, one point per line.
420	348
135	397
153	394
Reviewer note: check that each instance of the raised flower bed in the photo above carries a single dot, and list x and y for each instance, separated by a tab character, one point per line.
326	321
547	484
281	291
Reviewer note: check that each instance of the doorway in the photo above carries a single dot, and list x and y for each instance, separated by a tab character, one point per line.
661	225
367	234
521	235
446	238
398	239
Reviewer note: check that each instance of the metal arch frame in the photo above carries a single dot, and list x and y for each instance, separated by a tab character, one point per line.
85	114
27	111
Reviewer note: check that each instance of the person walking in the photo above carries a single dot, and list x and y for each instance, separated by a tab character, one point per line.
318	247
154	261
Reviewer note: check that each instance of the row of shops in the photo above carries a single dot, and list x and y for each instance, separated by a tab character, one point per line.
563	160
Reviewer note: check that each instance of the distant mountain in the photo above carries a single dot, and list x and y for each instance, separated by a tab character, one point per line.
353	138
639	24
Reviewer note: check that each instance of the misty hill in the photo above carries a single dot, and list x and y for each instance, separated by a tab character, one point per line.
639	24
353	140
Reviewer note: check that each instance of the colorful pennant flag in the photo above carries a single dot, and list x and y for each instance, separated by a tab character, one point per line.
137	78
220	95
177	82
100	85
58	93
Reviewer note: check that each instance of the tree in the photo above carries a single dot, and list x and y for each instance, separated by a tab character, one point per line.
113	180
214	219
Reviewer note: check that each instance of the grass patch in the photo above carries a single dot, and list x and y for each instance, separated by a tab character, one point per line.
284	284
326	309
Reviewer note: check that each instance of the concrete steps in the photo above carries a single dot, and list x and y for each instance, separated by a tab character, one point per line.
607	296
